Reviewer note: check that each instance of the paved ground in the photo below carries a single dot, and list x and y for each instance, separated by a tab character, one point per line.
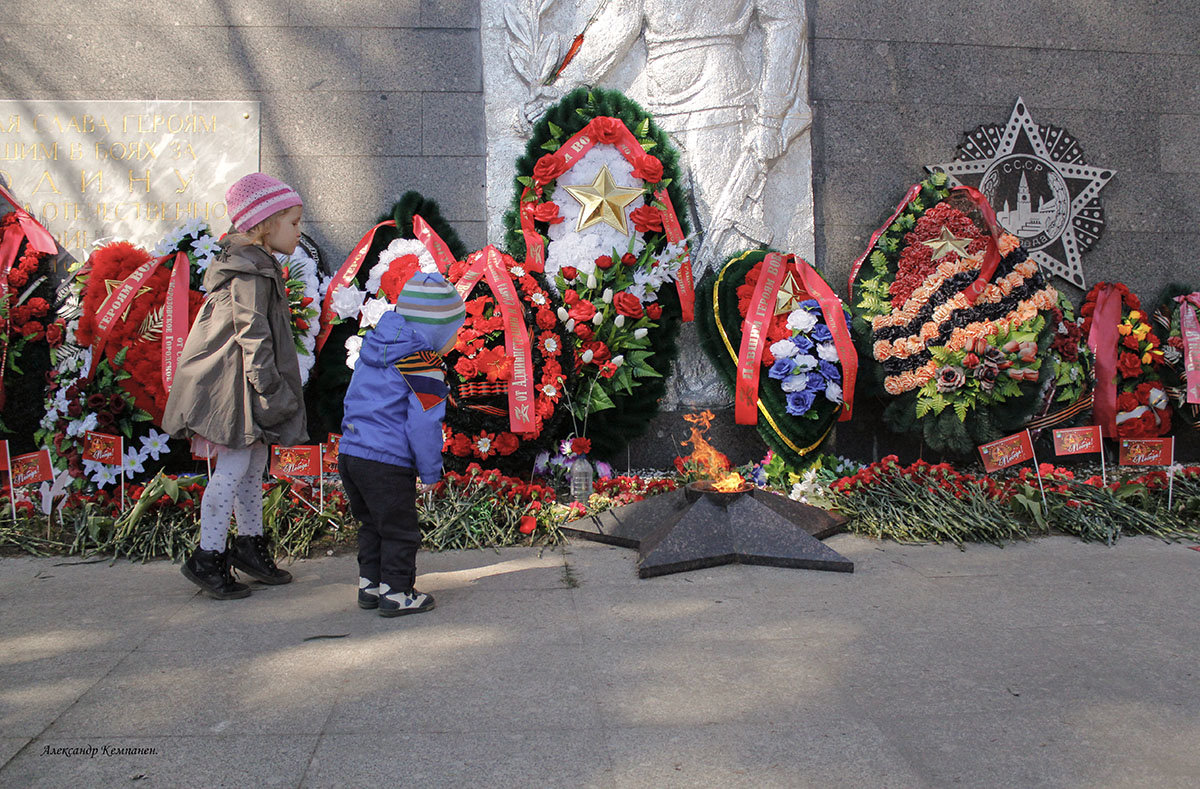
1050	663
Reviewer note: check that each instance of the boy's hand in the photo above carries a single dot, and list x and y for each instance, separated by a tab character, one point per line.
425	488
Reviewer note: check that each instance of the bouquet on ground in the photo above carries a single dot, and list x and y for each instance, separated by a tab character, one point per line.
1178	323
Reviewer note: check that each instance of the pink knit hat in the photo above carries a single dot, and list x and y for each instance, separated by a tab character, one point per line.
258	197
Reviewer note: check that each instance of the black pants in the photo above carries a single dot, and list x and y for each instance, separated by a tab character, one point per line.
384	498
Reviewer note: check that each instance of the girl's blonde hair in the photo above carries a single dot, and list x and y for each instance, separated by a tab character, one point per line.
257	234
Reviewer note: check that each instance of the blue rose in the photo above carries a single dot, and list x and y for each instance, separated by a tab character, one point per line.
815	382
830	370
802	343
782	368
821	333
809	304
799	403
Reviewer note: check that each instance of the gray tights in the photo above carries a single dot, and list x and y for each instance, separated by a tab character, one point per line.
235	488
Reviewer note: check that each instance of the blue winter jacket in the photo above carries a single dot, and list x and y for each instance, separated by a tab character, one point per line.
384	420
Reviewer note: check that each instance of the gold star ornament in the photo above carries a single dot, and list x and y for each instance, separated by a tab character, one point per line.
790	295
603	201
946	243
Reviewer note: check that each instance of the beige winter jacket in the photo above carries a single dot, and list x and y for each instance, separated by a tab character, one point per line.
238	380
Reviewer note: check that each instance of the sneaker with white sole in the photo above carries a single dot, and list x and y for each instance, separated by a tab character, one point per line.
368	593
397	603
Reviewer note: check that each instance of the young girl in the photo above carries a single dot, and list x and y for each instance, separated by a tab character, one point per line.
237	386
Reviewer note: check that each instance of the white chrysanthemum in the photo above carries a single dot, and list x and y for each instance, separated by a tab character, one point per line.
805	362
795	383
373	310
348	301
827	351
801	320
398	249
353	347
833	391
784	349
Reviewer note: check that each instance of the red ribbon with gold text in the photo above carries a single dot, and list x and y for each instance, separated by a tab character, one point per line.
1102	339
913	191
574	149
26	229
115	305
494	264
754	338
344	278
991	258
835	319
442	256
535	247
175	317
1190	329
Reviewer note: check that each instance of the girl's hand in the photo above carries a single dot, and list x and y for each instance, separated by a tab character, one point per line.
425	488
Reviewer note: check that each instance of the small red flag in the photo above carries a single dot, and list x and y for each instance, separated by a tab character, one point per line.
1077	440
1147	451
299	461
329	453
32	468
1007	451
102	448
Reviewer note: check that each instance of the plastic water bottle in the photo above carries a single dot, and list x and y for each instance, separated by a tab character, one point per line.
581	480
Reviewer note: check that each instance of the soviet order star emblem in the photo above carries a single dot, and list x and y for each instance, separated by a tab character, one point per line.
946	243
1039	185
603	201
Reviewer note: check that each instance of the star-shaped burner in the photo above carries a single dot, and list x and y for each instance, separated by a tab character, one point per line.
696	527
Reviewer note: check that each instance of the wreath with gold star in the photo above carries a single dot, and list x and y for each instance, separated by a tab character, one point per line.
957	351
597	201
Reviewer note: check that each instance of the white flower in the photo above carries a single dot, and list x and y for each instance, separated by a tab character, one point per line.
373	310
797	493
591	282
827	351
104	475
538	298
619	320
91	422
550	390
598	318
587	356
640	333
562	314
795	383
784	349
643	293
202	263
353	347
571	325
155	444
375	277
517	271
618	360
194	228
607	296
801	320
131	464
348	301
804	362
484	444
550	345
205	246
833	391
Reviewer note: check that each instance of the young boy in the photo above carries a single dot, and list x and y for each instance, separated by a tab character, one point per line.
391	431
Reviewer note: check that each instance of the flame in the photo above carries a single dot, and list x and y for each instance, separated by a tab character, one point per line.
713	464
730	483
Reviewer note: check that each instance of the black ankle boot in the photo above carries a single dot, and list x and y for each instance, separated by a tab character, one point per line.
210	571
252	555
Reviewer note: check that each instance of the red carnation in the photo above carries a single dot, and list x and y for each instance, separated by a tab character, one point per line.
628	305
506	443
528	524
54	334
649	169
654	311
546	319
547	169
581	446
459	445
569	272
604	261
607	130
582	310
646	219
1127	401
1129	365
38	306
32	330
547	212
466	368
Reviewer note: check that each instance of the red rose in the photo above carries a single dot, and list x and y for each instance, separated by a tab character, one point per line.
571	297
584	331
54	335
466	368
607	130
1126	401
649	169
628	305
32	330
528	524
1129	364
569	272
654	311
1130	342
604	261
600	351
546	319
646	219
547	169
583	310
547	212
628	259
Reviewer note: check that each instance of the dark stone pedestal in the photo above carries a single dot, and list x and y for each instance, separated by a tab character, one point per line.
689	529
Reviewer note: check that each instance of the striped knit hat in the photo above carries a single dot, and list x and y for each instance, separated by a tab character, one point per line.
432	307
256	198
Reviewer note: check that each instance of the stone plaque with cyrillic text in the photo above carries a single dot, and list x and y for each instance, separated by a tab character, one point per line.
96	171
